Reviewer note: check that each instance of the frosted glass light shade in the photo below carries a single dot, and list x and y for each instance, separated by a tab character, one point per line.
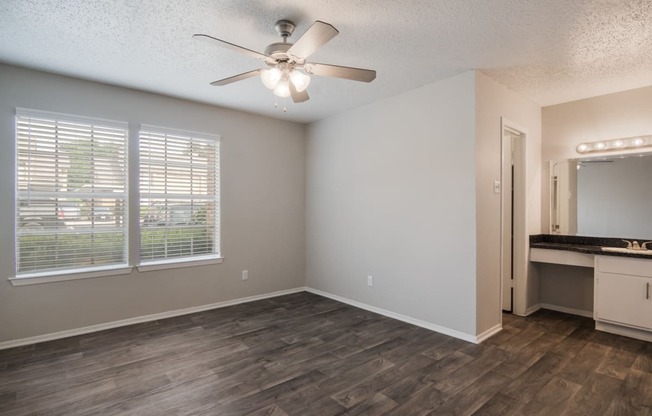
300	80
283	87
271	77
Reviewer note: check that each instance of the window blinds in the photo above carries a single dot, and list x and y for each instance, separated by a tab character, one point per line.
71	192
179	195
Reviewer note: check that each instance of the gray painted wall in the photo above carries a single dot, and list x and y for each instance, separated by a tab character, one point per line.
391	193
263	198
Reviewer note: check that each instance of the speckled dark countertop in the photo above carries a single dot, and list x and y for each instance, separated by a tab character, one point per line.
588	245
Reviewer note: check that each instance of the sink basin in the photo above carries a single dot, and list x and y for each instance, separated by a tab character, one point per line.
627	250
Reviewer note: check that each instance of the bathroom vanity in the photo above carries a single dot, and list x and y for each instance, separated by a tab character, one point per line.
622	279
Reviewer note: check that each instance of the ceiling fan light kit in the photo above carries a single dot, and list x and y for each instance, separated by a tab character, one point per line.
288	74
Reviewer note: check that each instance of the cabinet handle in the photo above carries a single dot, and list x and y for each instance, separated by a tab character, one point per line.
647	291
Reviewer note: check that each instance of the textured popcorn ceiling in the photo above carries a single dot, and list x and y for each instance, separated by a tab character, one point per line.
551	51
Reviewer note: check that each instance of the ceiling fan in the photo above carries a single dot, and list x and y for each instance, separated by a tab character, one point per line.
288	72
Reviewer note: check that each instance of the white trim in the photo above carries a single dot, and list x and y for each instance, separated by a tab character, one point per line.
65	275
520	214
529	311
624	331
572	311
423	324
488	333
569	258
141	319
176	264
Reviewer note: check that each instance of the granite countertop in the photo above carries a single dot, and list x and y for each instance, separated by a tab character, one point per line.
587	245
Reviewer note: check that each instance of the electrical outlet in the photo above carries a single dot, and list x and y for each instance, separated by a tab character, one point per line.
370	280
245	275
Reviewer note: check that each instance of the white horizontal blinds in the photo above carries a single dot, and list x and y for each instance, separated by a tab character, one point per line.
179	194
71	192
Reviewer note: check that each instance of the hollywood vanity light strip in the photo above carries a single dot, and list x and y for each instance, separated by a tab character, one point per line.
638	142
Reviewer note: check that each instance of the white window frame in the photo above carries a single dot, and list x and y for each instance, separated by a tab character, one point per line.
81	271
147	194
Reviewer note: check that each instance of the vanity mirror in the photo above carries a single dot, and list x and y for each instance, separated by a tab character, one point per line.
608	196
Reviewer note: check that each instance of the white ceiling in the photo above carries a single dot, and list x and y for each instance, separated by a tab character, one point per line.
551	51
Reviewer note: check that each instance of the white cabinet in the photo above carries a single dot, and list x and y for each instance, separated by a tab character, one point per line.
623	296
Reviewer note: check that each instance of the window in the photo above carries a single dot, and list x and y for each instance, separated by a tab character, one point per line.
71	193
179	195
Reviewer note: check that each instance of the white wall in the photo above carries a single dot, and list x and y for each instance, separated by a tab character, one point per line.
495	101
391	193
564	126
263	198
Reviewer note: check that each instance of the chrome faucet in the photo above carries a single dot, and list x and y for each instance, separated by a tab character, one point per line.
634	245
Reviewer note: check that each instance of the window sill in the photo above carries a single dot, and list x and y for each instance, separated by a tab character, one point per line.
176	264
62	276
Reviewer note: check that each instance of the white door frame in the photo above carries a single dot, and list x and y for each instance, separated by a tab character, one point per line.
519	260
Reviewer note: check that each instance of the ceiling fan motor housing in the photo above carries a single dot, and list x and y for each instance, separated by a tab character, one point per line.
285	28
278	50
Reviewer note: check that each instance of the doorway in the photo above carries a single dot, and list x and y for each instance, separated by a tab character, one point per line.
512	217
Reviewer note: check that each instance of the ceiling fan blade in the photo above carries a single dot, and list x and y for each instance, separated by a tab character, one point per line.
298	97
232	46
239	77
317	35
346	72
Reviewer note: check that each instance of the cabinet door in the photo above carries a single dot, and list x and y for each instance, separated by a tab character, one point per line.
624	299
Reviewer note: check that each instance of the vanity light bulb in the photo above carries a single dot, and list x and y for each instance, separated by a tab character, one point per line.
638	141
582	148
619	143
600	145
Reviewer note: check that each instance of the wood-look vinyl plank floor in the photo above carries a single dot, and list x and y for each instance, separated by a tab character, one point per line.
303	354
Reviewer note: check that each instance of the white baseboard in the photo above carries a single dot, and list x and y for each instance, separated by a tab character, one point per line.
529	311
436	328
141	319
488	333
572	311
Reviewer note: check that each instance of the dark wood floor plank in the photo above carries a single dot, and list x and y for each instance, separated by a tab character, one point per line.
474	396
528	384
377	404
616	364
585	362
354	394
643	361
466	375
498	404
553	399
271	410
303	354
594	397
634	396
423	402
